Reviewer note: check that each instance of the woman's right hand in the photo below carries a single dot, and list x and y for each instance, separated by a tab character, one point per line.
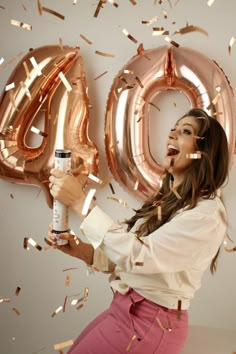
74	247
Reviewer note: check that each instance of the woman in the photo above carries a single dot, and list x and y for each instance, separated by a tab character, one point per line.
158	258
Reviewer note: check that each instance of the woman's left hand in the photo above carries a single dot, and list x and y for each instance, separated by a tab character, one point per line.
68	189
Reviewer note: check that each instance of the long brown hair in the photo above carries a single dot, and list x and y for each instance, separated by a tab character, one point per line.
202	179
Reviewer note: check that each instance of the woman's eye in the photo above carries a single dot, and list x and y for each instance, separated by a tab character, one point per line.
173	129
186	131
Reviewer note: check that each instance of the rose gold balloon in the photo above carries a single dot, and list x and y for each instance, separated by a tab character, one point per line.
65	109
146	75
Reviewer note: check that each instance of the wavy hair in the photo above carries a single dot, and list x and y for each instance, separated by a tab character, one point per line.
202	179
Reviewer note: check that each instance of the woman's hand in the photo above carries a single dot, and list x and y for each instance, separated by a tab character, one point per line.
68	189
75	247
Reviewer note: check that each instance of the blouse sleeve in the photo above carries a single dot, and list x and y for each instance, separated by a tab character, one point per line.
190	237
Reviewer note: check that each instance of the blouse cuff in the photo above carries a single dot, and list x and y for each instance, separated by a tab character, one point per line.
96	225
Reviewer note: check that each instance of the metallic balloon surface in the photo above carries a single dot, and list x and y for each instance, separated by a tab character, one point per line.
127	124
62	100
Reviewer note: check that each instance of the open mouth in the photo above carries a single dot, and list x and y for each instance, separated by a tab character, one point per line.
172	151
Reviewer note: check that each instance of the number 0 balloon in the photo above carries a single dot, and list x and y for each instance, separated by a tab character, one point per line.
49	80
127	113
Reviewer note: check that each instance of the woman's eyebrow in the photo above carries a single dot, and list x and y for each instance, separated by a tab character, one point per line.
188	124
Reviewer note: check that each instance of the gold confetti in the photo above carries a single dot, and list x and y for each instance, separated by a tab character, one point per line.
10	86
139	264
38	132
21	24
65	81
227	249
40	9
195	155
152	104
112	189
100	5
66	270
139	82
191	28
113	3
48	241
25	245
150	22
133	2
126	33
130	343
122	202
159	213
35	65
26	70
88	201
27	92
17	292
140	241
167	39
215	99
165	14
158	31
165	329
64	305
98	77
16	311
176	193
231	42
179	309
67	282
74	2
30	241
210	2
52	12
104	54
4	300
136	185
1	61
63	344
57	311
85	39
94	178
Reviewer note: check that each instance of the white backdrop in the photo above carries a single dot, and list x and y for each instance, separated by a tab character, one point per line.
23	210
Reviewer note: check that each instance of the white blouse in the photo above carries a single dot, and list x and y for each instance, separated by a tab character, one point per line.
169	264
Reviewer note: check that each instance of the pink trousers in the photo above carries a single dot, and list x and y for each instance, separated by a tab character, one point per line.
133	324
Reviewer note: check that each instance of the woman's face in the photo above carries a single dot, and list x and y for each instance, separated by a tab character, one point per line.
181	143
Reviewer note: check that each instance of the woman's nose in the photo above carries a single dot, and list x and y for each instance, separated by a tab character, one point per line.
173	134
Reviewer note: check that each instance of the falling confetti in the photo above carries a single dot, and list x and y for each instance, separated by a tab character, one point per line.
167	39
210	2
10	86
21	24
98	77
120	201
17	292
88	201
35	65
65	81
231	42
191	28
63	344
52	12
126	33
104	54
38	131
59	309
85	39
